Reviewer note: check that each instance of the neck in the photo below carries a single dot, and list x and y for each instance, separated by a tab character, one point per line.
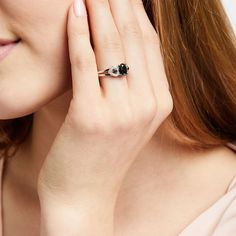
25	165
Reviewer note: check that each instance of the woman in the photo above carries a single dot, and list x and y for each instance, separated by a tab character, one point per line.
145	148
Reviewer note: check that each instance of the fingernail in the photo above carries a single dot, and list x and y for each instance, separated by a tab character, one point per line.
79	8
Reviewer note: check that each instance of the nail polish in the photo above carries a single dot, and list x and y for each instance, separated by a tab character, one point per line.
79	8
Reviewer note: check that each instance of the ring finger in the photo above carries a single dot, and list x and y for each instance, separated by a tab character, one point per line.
107	46
131	36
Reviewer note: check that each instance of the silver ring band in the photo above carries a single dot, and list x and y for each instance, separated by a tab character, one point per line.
115	71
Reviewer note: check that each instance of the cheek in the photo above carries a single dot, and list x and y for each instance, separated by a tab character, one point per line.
38	69
40	24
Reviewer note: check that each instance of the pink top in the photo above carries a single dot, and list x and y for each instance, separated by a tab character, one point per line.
217	220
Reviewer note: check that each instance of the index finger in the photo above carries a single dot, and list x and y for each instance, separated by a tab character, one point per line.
83	61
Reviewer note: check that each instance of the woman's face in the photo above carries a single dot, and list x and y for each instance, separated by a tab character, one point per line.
37	70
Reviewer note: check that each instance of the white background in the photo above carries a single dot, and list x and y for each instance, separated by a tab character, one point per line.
230	7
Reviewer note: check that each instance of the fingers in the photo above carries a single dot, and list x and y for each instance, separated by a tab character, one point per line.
154	58
155	64
151	44
130	32
121	32
107	46
83	62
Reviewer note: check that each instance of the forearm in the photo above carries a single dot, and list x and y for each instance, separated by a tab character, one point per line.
87	220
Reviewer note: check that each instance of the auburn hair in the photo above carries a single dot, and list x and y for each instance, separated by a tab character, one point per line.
198	48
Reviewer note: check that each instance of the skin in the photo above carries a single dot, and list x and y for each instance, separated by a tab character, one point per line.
54	94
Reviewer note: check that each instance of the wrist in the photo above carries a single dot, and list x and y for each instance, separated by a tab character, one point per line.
86	218
90	188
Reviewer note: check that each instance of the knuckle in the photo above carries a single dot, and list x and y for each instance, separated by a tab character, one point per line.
88	123
83	60
94	127
79	35
151	37
111	42
165	107
90	126
101	3
138	3
131	29
148	111
123	124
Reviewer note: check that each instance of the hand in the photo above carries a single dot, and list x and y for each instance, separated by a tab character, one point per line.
109	120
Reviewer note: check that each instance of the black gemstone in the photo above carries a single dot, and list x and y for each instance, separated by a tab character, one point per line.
123	69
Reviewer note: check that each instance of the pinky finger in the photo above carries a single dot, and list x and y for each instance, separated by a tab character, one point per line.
83	61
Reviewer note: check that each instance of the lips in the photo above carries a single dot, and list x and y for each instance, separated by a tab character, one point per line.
6	47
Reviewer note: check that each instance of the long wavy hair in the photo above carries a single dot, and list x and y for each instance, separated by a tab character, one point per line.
198	47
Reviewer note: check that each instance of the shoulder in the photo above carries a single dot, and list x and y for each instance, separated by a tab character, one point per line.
227	222
220	217
218	220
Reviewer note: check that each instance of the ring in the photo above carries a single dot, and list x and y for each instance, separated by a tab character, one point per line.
115	71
